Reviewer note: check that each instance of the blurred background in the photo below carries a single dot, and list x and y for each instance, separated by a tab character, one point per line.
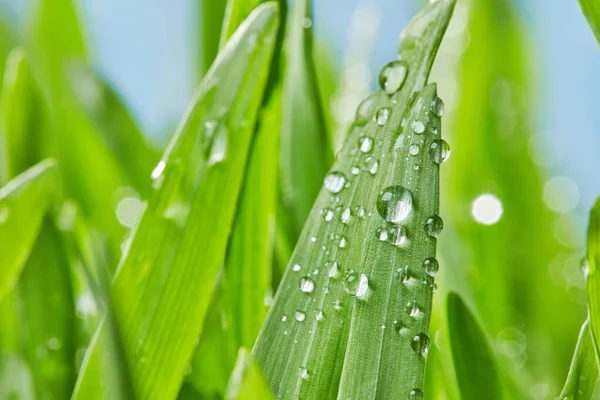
521	86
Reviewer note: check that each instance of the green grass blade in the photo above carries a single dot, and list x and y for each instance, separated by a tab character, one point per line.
591	11
247	380
476	370
236	12
47	315
502	260
303	130
209	26
348	320
106	110
583	372
593	274
160	294
23	204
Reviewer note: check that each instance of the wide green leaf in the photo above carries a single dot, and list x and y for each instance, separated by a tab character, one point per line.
23	203
303	130
591	10
583	372
350	318
247	381
163	285
476	370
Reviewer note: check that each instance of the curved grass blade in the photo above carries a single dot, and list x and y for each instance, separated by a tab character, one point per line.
303	130
591	11
23	203
247	381
502	257
350	318
593	274
209	26
583	372
163	284
106	110
476	370
236	12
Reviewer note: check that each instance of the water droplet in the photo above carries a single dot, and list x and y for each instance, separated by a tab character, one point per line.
434	226
404	273
360	212
382	116
307	285
296	267
395	204
371	165
392	76
337	305
284	318
397	235
434	126
418	127
313	239
413	310
382	326
300	316
334	271
343	243
432	266
416	167
414	149
158	171
357	285
420	344
327	214
319	316
303	373
306	23
437	106
439	151
584	267
355	170
365	110
335	182
346	215
416	394
382	234
365	144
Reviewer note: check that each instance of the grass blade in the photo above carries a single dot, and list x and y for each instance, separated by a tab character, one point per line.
247	380
474	363
303	126
593	274
210	24
591	11
348	320
236	12
15	378
583	372
159	293
23	203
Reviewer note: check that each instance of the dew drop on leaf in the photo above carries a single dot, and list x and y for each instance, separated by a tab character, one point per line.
346	215
335	182
418	127
371	165
319	316
416	394
584	267
343	243
382	116
414	149
439	151
365	144
420	344
300	316
434	226
296	267
432	266
357	285
392	76
334	271
437	106
365	110
413	310
303	373
397	235
395	203
307	285
382	234
327	214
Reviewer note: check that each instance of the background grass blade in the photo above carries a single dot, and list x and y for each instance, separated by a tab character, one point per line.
209	26
593	277
474	363
15	378
247	380
23	203
236	12
159	293
303	127
349	320
591	10
502	262
583	372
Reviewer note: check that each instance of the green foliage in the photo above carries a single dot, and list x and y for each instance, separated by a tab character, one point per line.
591	10
247	380
583	373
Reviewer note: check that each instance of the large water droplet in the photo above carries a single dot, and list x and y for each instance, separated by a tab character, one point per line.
365	110
414	149
416	394
300	316
434	226
439	151
335	182
413	310
357	285
365	144
307	285
395	204
397	235
418	127
392	76
432	266
371	165
437	106
382	116
334	271
420	344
